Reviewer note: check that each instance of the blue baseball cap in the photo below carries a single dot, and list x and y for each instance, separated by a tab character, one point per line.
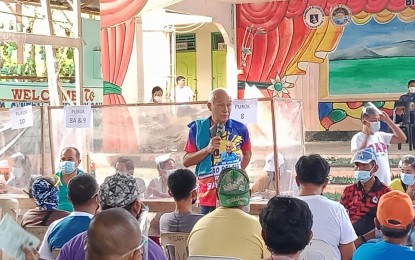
365	155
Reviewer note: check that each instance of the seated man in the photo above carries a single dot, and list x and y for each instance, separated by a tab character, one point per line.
406	182
409	97
114	234
157	188
395	218
229	230
117	191
398	112
332	224
182	187
83	194
46	195
124	165
69	162
264	185
286	227
361	199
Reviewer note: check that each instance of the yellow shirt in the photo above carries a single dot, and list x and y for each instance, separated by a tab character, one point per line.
228	232
396	184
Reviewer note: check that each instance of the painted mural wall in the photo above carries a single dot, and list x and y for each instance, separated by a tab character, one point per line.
365	51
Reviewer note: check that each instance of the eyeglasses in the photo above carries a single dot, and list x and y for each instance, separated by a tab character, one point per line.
143	243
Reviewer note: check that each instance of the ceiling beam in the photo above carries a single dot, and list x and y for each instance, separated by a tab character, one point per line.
39	39
57	5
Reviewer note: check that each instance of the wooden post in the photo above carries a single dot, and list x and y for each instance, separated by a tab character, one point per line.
51	143
42	140
77	29
53	75
275	148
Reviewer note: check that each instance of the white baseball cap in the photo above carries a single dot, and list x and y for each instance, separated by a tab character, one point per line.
4	164
269	162
162	158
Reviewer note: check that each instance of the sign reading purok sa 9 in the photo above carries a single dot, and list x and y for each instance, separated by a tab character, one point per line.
13	94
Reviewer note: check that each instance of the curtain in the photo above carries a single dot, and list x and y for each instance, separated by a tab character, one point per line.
117	39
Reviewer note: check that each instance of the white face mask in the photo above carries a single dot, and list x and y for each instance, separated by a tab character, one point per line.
170	172
374	126
18	172
157	98
412	90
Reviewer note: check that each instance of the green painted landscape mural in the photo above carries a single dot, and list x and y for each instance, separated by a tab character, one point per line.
373	58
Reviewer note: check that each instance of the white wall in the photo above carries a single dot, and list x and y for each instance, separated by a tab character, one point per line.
204	64
153	56
223	17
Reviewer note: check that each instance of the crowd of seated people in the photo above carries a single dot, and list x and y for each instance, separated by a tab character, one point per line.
369	221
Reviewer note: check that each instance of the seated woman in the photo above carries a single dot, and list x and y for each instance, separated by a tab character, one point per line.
17	173
157	188
46	195
406	182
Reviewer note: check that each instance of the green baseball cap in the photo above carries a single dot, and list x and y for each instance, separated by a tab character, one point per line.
233	188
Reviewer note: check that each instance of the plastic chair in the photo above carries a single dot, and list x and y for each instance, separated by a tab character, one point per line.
317	249
174	245
203	257
55	253
37	231
9	206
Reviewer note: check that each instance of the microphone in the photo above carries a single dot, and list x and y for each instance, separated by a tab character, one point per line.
220	128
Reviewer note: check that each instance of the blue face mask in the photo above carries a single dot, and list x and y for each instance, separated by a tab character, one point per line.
362	176
67	167
408	178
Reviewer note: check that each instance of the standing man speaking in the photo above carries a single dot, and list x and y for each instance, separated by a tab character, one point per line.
207	140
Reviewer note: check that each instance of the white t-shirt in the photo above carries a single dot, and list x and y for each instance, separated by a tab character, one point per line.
331	223
184	94
379	142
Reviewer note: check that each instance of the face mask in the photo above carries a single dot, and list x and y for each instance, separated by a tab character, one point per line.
157	98
362	176
408	178
17	172
412	90
170	172
374	126
67	167
123	173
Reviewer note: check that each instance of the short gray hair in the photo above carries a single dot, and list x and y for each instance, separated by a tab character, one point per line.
213	93
367	111
407	159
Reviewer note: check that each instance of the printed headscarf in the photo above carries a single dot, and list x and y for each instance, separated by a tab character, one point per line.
118	190
45	194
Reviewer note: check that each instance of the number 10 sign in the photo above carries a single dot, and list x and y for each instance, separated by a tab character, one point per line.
78	116
21	117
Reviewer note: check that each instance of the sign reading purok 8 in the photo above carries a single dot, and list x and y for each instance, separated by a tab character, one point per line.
13	94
